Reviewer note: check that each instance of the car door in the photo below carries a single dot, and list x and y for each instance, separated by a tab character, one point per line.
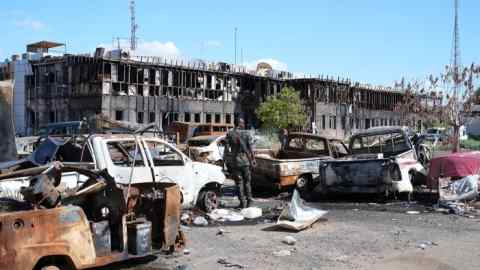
170	165
122	158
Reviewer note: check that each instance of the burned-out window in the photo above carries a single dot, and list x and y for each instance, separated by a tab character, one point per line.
186	117
124	153
228	118
218	118
163	155
197	118
140	117
388	144
119	115
151	117
208	118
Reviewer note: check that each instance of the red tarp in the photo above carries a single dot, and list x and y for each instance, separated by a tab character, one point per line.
453	165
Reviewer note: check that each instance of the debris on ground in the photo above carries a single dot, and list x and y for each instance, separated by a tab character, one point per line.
251	212
200	221
225	215
297	215
229	264
425	244
289	240
186	218
412	212
453	194
282	253
186	252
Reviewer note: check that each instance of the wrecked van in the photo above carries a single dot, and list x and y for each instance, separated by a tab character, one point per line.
382	160
93	225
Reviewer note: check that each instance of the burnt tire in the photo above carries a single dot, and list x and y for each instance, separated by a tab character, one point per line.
208	200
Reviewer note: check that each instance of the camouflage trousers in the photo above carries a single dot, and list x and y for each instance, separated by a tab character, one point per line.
243	178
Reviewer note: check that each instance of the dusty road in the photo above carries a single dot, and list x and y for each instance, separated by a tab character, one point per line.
356	235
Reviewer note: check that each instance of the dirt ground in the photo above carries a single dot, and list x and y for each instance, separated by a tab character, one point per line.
356	234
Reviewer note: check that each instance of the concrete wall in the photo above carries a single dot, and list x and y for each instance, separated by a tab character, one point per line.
22	68
8	149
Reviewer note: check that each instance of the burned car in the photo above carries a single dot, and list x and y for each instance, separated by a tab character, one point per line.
96	224
298	162
381	160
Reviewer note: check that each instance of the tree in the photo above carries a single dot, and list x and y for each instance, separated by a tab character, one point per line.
459	86
282	111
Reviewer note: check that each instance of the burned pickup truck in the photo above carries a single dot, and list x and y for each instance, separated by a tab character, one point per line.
96	224
381	160
298	162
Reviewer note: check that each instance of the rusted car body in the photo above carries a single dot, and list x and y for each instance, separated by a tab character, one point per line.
381	160
63	235
298	162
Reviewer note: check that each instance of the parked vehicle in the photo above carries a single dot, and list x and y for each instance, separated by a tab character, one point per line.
298	163
381	160
134	160
95	224
436	134
453	166
212	146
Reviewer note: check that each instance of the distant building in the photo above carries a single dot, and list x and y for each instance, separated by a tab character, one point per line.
150	89
19	69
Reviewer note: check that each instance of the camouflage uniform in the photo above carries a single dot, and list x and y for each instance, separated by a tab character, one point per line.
238	156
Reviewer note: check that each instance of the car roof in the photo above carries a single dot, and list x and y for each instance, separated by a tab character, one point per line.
381	130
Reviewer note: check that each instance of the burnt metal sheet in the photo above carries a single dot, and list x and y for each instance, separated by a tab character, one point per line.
27	236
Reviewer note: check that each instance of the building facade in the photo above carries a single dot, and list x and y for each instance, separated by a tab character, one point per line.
146	89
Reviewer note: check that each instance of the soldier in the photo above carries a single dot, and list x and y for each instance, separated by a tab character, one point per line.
239	157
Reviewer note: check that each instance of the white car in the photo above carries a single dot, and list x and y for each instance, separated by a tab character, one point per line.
212	146
139	161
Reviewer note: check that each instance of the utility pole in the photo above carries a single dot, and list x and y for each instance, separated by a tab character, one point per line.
133	27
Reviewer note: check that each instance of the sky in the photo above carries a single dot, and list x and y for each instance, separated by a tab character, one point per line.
369	41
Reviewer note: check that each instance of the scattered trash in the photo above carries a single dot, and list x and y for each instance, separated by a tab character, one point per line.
186	219
200	221
425	244
225	215
459	190
220	231
229	264
251	212
412	212
289	240
186	251
282	253
297	215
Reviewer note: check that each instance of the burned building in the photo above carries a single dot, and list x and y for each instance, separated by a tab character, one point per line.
149	89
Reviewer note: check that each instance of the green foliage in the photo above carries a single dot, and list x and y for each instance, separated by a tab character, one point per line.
470	144
282	111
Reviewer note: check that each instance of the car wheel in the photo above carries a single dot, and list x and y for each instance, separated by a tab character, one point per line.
209	200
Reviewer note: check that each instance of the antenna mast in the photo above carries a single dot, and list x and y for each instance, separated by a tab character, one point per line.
133	26
456	61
